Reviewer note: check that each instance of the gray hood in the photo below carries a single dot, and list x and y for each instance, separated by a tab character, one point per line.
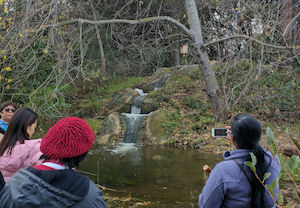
29	190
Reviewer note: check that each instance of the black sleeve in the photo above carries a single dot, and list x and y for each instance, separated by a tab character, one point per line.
2	131
2	182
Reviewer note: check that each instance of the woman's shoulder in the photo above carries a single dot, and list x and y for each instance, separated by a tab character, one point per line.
28	144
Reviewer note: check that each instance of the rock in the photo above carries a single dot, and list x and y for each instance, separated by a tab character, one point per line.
149	105
158	157
111	129
153	131
122	101
156	79
290	151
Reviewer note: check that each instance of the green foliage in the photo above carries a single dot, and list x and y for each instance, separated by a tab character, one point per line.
119	83
193	102
266	176
295	141
262	87
273	186
94	124
195	144
173	121
271	142
251	163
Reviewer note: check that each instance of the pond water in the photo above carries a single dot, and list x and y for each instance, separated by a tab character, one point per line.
163	176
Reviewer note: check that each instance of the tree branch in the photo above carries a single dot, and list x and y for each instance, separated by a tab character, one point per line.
250	38
126	21
287	27
163	18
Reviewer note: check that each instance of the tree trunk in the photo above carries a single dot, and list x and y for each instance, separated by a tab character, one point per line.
175	53
102	57
212	86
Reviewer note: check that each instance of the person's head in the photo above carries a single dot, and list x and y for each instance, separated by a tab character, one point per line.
7	110
68	141
246	131
20	128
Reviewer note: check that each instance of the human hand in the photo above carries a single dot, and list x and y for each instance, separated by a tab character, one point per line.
228	130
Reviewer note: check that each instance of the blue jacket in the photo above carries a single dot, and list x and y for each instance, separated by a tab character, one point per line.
227	185
31	188
3	125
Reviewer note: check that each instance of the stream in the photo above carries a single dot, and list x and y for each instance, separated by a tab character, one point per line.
160	175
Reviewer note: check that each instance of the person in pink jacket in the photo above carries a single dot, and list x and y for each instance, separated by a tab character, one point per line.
17	150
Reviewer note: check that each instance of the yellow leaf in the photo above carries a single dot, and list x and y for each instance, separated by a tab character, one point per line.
43	26
7	69
9	80
59	70
7	30
10	46
21	35
5	10
236	9
45	51
4	58
1	2
1	76
7	87
8	19
0	17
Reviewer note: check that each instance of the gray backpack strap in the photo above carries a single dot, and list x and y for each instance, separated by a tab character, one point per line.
242	170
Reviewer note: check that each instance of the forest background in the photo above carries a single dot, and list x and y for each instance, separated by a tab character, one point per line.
67	58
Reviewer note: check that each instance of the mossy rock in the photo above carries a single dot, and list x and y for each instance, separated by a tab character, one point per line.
149	105
122	101
154	132
155	79
111	130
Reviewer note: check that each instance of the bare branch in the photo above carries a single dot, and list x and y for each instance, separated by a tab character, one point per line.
126	21
288	25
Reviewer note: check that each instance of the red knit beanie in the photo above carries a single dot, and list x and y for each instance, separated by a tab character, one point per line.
69	137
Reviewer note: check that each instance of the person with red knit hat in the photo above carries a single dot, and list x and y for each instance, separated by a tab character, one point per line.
54	182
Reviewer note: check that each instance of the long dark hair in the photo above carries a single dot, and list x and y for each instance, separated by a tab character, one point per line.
17	129
246	131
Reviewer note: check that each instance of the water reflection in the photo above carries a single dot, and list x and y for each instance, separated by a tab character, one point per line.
165	176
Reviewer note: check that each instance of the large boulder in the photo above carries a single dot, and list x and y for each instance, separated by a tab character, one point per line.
122	101
111	130
153	131
149	105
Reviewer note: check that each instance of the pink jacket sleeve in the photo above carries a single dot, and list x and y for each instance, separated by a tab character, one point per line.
22	156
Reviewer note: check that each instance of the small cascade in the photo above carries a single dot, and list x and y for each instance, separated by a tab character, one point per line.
162	81
137	102
134	119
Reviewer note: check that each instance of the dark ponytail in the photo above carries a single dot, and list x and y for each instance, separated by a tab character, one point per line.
246	131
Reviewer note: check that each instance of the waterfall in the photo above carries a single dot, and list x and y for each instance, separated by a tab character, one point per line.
137	102
134	119
162	81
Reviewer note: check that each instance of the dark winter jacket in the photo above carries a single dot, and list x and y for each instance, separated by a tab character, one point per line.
32	188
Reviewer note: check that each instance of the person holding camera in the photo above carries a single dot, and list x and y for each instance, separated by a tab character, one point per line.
233	184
